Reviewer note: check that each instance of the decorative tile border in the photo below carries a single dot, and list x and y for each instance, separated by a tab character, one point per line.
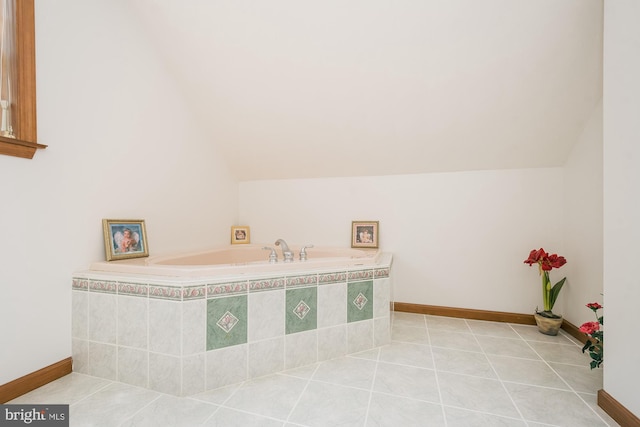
220	289
381	273
178	292
329	278
80	284
308	280
105	286
165	292
360	275
194	292
266	284
133	289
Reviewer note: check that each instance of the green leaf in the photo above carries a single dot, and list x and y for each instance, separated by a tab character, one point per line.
554	292
586	346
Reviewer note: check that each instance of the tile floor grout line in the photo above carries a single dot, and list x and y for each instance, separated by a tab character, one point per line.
96	391
139	410
218	406
571	389
574	391
504	387
435	373
373	382
306	386
477	411
244	411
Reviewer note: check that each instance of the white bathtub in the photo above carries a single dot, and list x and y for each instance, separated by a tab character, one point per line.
239	260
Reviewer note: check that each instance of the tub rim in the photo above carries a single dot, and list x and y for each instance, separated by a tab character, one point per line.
147	266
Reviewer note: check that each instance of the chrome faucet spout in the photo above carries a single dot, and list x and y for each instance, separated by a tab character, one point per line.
286	252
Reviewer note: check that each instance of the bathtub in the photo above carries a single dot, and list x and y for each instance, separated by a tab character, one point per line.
186	323
239	260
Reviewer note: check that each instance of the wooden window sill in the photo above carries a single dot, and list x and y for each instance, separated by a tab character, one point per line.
18	148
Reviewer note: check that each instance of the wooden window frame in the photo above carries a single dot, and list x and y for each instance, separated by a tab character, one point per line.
25	143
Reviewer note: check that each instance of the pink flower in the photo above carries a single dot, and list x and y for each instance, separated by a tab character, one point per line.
594	306
590	327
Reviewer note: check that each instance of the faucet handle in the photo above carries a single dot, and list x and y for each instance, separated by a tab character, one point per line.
303	252
273	256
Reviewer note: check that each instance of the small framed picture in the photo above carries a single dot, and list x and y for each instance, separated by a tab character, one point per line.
125	238
240	234
364	234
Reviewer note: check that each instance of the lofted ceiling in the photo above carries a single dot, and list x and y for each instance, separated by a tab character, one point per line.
302	89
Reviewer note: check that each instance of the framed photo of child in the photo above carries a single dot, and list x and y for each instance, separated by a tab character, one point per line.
240	235
364	234
125	238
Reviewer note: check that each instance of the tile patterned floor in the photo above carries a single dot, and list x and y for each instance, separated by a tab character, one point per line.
438	371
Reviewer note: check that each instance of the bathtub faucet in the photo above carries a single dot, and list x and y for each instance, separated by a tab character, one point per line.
286	252
273	256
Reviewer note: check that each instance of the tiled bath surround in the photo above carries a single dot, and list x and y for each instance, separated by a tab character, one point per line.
186	336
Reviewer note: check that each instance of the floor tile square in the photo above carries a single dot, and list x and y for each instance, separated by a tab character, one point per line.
407	354
571	354
412	334
493	329
457	417
347	371
553	406
454	340
580	378
392	411
533	372
226	417
463	362
328	405
475	393
447	324
171	411
407	381
507	347
278	395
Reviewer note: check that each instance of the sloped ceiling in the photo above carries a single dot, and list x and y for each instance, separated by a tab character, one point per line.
297	89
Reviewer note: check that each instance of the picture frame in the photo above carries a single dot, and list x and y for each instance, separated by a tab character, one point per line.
240	234
364	234
125	238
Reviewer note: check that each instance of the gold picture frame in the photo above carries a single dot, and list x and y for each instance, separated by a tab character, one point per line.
125	238
240	235
364	234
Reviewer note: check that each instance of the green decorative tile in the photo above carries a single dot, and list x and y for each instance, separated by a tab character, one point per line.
301	309
360	301
226	321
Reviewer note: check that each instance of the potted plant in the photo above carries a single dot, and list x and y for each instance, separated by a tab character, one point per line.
548	322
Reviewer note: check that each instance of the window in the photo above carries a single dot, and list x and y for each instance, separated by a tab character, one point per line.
18	130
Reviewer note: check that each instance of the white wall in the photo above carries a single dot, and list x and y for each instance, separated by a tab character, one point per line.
458	239
583	223
121	145
621	103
